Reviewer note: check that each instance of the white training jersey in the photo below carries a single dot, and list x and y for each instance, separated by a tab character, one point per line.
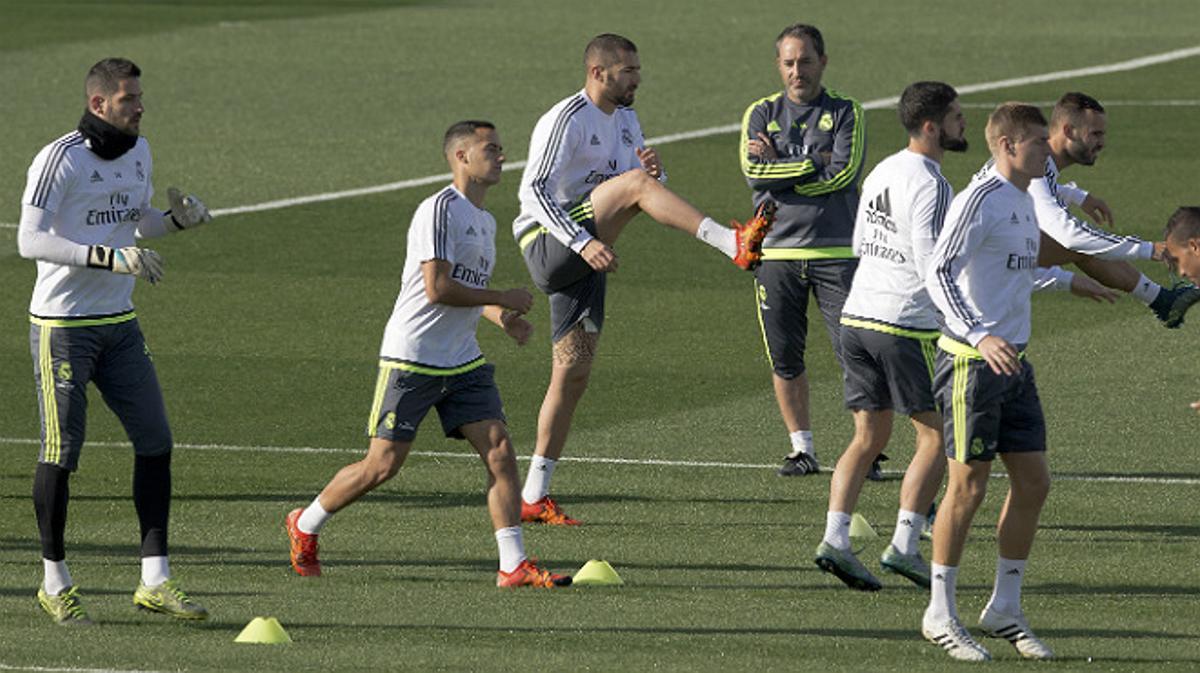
574	147
87	201
1051	201
446	226
984	264
900	214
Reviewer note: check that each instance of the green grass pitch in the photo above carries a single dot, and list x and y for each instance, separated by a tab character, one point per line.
266	329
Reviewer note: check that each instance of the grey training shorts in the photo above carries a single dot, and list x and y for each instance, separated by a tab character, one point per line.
405	392
576	290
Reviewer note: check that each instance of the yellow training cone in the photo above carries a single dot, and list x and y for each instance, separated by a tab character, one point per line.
859	528
264	631
597	574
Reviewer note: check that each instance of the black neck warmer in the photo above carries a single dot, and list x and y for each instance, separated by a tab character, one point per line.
106	140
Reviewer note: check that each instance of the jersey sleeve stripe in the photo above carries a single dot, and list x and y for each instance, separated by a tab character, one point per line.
546	163
942	200
953	293
42	194
441	223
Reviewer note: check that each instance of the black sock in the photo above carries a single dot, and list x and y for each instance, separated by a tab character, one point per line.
50	494
152	499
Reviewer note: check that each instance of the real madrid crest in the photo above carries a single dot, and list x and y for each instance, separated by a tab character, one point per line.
627	137
826	122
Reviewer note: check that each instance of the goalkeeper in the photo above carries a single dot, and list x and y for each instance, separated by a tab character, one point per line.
86	202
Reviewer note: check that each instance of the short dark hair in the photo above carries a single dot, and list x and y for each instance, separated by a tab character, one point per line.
1012	120
801	31
606	49
1184	224
925	101
105	77
1072	105
461	130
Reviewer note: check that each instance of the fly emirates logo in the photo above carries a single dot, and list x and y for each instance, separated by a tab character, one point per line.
118	211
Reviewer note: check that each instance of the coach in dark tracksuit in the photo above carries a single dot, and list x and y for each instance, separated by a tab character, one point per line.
803	148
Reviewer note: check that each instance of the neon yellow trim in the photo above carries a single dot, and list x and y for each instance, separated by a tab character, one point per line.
929	350
528	236
792	254
377	403
923	335
956	347
53	436
847	175
582	212
82	322
433	371
760	293
768	170
958	403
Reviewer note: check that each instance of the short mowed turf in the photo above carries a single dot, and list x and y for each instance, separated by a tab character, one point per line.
266	329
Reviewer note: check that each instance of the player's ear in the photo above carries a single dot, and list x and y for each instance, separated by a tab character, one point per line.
96	103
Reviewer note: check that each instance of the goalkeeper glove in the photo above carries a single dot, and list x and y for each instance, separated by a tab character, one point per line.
186	211
135	261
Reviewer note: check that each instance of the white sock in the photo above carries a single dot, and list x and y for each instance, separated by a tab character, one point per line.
313	518
718	236
802	442
155	570
512	548
1006	595
56	577
941	593
908	531
537	481
1146	290
837	530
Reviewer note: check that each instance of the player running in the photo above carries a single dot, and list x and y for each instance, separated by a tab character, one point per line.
430	359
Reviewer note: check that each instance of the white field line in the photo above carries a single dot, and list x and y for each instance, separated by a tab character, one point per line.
44	669
596	460
1121	66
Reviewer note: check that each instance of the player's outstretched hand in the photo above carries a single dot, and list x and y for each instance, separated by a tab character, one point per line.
141	262
1000	355
1196	406
599	256
1098	210
516	327
1083	286
517	299
187	211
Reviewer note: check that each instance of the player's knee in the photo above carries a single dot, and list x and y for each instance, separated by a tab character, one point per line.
1032	489
501	459
970	489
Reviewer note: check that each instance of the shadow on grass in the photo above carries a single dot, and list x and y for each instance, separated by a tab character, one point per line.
1168	529
1116	589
